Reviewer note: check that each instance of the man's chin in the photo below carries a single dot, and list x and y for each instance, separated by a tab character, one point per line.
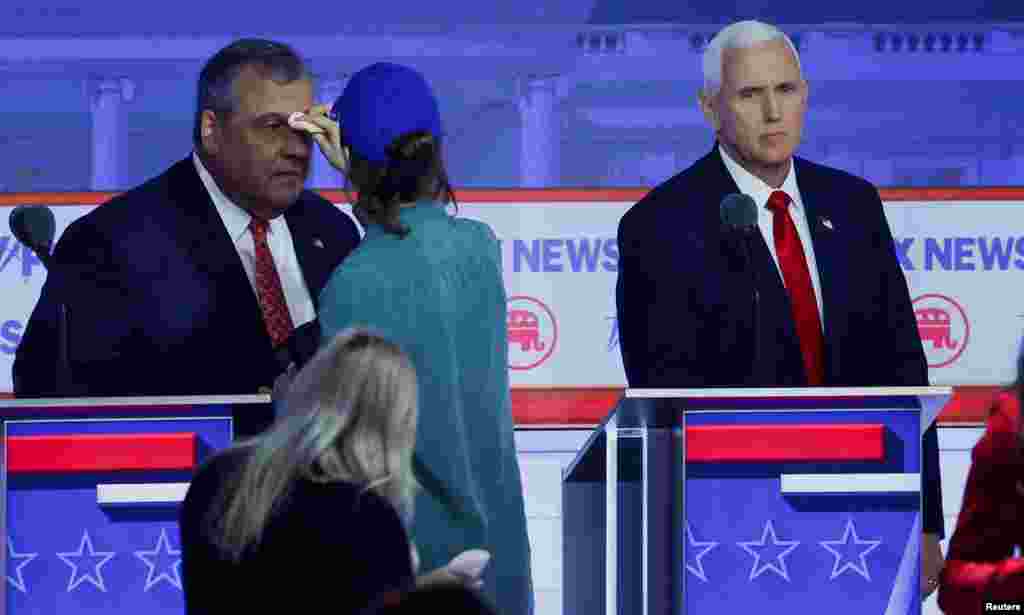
282	199
774	157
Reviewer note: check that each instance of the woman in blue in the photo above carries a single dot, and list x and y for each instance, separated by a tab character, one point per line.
432	283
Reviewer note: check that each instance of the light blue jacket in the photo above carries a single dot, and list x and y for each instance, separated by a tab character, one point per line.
439	294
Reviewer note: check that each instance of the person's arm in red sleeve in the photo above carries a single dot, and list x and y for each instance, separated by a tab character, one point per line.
979	566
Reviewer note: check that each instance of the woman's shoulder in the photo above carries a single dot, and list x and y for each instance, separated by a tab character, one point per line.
209	479
453	225
479	231
221	463
1005	414
1001	441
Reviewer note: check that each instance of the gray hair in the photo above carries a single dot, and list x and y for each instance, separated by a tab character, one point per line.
216	87
740	35
350	415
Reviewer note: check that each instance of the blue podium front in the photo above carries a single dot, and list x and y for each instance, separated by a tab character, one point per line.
92	489
770	501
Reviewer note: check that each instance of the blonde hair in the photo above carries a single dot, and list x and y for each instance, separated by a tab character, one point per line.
349	415
740	35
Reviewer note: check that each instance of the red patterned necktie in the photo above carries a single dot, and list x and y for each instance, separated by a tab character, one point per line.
268	286
793	263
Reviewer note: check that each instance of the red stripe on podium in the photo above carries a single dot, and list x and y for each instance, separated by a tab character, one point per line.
101	452
586	407
782	443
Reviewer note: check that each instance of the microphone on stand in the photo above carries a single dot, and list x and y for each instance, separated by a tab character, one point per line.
34	226
738	214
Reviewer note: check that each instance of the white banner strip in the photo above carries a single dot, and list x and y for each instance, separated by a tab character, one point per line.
140	493
807	484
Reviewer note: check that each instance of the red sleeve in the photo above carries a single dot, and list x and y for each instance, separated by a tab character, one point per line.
979	566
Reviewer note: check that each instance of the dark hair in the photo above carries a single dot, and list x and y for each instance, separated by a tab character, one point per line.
414	169
216	89
447	599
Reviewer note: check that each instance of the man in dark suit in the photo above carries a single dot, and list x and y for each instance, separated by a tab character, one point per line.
197	281
815	297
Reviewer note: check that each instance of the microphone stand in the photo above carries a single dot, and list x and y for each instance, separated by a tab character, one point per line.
64	381
748	236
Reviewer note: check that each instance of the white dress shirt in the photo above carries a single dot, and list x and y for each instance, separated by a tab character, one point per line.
754	186
279	239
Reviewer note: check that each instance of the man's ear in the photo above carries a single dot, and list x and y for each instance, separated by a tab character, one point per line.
707	106
209	131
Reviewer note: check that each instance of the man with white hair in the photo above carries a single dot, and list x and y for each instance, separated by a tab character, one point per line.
813	296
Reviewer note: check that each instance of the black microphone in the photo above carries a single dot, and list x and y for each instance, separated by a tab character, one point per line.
739	216
34	226
739	213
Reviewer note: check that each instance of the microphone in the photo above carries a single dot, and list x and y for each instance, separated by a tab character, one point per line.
738	213
34	226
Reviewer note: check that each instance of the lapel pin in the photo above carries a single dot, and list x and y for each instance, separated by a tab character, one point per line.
826	223
317	243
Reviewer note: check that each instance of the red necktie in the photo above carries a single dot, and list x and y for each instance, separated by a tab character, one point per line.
793	263
268	287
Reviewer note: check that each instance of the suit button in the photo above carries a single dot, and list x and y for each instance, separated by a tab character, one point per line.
265	390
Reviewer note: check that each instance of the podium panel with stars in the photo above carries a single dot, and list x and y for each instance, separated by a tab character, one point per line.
92	493
699	502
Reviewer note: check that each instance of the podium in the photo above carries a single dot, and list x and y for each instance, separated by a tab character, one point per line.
92	489
709	501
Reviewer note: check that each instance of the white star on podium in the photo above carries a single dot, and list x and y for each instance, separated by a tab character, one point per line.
862	570
164	551
25	558
705	545
99	559
780	569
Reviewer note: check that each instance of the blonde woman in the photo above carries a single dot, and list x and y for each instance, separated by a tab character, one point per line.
312	512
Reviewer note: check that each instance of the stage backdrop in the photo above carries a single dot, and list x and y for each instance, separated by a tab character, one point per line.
962	252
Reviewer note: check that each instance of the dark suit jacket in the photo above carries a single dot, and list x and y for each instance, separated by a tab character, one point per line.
158	300
686	305
980	565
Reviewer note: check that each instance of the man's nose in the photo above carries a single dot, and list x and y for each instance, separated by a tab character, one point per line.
772	111
298	144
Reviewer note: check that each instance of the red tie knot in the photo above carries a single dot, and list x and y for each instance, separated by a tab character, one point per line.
259	227
778	201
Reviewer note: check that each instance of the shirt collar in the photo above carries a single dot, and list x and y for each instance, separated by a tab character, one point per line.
755	187
236	219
